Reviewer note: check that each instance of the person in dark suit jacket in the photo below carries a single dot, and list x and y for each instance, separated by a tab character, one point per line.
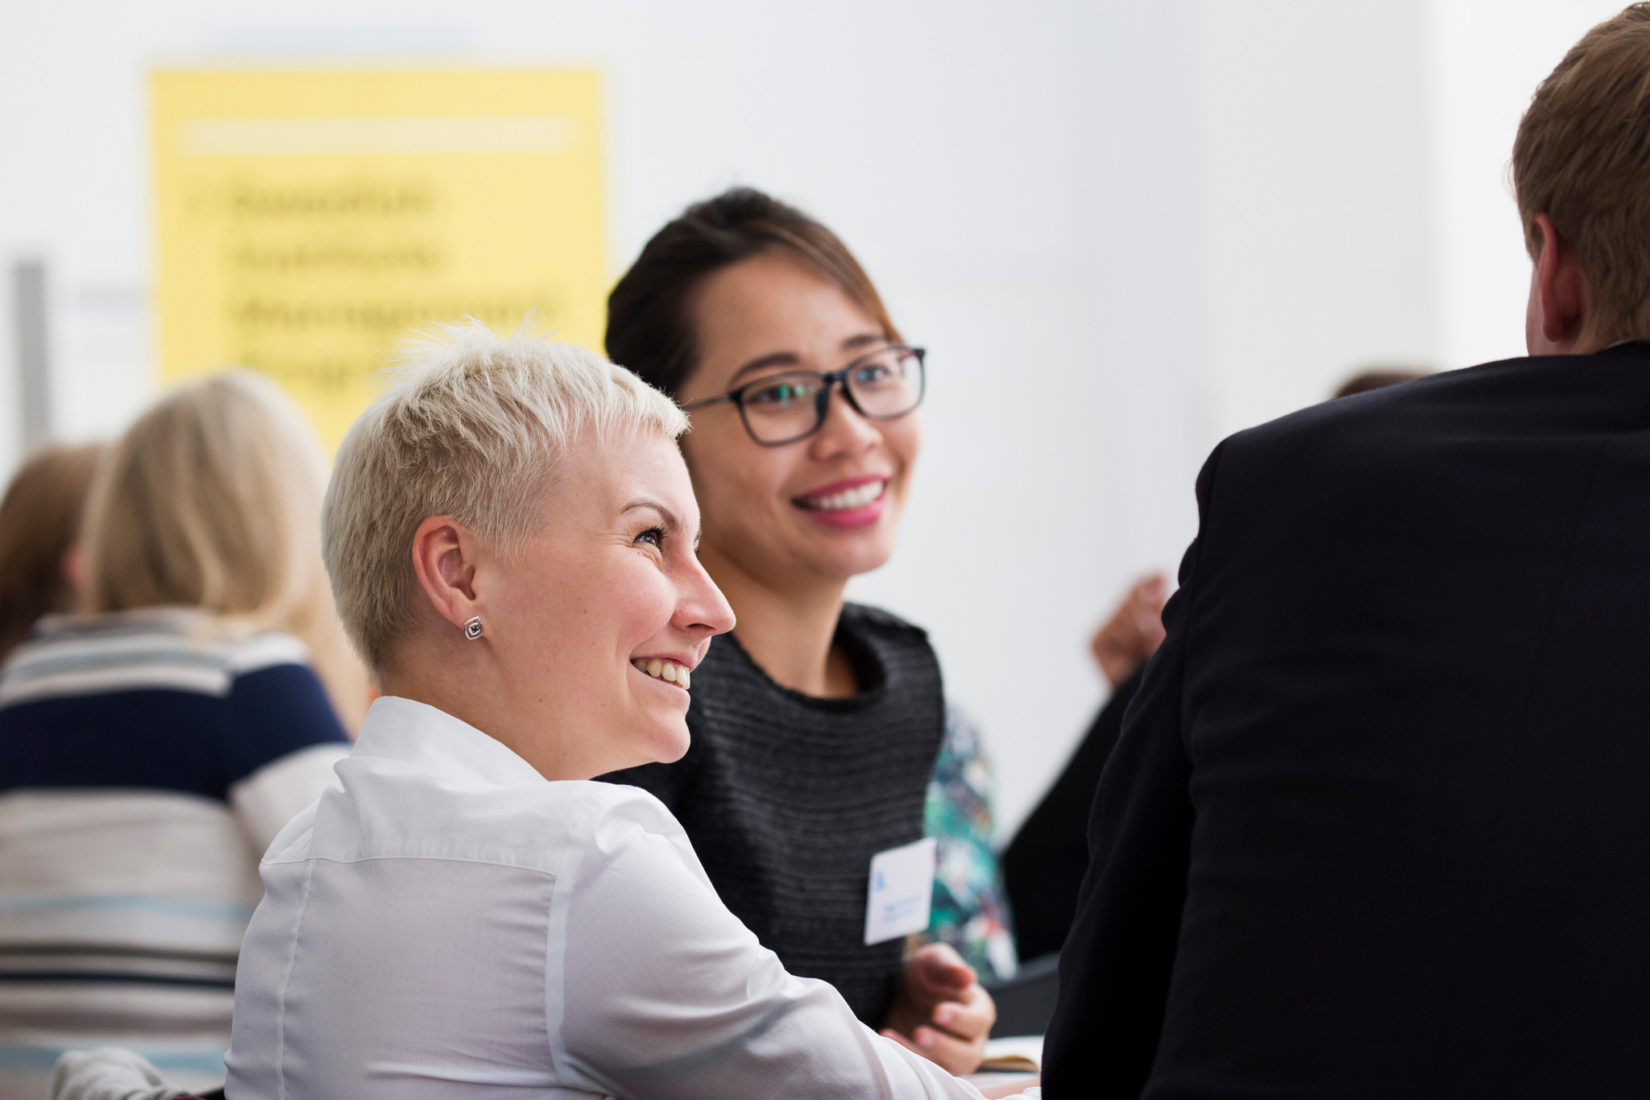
1378	823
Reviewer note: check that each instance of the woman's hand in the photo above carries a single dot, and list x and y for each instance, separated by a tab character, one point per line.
940	1011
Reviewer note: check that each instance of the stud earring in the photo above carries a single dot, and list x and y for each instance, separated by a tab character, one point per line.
472	627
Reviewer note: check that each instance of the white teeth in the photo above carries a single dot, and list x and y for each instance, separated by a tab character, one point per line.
660	669
857	497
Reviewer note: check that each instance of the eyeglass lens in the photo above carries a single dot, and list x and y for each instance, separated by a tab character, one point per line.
884	384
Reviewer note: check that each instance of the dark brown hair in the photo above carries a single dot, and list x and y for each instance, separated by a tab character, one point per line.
1582	157
650	311
39	521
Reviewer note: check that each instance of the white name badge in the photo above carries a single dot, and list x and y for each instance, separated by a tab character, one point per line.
902	890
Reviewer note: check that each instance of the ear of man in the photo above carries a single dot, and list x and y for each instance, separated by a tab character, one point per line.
1564	294
445	557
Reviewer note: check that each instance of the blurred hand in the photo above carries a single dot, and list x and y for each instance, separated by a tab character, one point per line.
1128	639
940	1011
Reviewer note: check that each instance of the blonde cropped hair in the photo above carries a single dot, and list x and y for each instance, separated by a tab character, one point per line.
1582	157
474	427
212	500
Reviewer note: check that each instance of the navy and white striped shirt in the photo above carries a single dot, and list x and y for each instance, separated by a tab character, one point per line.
146	761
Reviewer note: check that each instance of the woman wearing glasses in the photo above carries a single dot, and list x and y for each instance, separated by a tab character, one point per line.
817	723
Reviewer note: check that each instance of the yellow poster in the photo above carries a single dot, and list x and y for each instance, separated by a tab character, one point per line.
308	220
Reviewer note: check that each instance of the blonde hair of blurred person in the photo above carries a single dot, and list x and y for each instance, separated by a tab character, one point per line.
40	519
511	534
212	500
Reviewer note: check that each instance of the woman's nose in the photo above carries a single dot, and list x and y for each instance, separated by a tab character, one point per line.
702	606
843	430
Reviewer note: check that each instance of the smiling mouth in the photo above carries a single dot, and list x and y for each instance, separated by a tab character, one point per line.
847	499
668	671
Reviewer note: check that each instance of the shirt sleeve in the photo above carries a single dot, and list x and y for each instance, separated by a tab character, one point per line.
281	740
666	994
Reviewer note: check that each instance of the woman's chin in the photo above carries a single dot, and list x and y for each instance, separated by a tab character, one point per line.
836	555
666	746
867	557
675	750
657	749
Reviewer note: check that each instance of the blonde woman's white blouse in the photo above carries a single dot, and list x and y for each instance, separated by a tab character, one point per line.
445	922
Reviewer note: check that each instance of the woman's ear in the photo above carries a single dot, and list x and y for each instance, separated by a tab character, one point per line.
444	559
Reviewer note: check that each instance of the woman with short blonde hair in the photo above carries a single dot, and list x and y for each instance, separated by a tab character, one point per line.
476	429
512	538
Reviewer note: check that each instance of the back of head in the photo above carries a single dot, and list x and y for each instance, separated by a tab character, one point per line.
210	500
39	522
649	312
1582	157
474	428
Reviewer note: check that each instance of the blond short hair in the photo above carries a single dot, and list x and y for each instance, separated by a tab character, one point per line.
475	428
1582	157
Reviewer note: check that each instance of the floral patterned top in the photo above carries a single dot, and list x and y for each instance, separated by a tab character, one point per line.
970	908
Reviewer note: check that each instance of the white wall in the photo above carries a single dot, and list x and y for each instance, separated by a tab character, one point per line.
1485	59
1320	219
1065	465
1123	228
1022	215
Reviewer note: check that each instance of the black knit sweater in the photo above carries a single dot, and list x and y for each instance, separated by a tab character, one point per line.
786	797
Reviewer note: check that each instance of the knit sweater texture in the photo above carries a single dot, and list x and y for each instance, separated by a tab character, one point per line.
786	796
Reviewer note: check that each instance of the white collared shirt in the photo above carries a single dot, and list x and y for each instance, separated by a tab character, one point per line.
445	922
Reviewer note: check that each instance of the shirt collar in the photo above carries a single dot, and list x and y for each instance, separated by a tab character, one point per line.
416	733
161	618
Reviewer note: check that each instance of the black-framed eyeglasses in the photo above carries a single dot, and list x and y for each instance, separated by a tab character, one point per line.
782	408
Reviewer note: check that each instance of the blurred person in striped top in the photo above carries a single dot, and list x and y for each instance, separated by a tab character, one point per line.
154	742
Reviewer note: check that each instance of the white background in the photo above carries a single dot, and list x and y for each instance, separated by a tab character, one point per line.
1123	229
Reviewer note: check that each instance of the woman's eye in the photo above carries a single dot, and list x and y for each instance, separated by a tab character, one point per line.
872	374
885	368
777	395
653	536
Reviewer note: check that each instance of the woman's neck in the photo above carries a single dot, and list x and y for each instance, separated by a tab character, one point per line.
788	633
460	682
